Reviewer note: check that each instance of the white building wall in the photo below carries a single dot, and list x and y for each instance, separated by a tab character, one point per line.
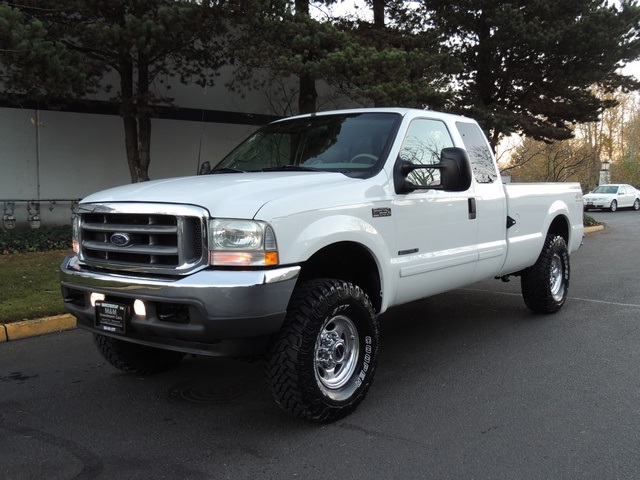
53	155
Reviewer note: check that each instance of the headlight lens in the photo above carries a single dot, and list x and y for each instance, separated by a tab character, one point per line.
75	234
241	243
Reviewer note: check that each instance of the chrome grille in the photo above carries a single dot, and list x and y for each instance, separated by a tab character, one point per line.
152	239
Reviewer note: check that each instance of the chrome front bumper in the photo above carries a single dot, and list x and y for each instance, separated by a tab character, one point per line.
220	311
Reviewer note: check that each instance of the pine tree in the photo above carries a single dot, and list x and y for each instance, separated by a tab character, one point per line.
529	65
62	49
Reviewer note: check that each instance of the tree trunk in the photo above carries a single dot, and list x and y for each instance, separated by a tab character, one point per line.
378	13
128	113
136	116
144	120
307	95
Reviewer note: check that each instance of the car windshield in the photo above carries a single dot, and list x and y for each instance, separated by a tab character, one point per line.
606	189
353	144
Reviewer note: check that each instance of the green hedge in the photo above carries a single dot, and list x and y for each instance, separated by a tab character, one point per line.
42	239
589	221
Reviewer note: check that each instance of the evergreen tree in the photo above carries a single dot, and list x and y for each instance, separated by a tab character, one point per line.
396	61
66	48
280	38
391	63
528	65
35	64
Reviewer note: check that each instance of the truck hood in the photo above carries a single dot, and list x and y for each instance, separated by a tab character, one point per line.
232	195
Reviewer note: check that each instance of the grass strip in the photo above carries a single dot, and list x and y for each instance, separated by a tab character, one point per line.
30	285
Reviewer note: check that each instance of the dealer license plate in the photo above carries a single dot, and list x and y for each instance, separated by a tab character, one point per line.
111	317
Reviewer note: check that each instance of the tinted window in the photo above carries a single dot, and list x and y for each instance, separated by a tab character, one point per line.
607	189
484	169
424	141
351	143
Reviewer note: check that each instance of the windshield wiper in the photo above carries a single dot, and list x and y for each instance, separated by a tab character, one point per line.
227	170
295	168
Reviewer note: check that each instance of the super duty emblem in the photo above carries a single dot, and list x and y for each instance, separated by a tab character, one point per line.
381	212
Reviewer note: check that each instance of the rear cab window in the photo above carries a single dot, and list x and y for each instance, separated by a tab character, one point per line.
482	163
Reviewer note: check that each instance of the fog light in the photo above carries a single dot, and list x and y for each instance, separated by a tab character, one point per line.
139	308
96	297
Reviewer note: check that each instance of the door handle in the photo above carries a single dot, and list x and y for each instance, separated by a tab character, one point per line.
472	208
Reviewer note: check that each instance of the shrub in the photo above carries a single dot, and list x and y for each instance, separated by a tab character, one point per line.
43	239
589	221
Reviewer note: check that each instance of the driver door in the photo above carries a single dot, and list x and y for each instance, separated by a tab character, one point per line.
436	230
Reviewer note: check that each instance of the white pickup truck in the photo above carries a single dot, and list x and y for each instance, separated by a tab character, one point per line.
294	244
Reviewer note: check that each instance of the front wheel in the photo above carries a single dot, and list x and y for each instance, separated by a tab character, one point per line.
614	206
321	363
134	358
546	283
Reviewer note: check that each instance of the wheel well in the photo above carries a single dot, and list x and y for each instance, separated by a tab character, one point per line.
560	226
346	261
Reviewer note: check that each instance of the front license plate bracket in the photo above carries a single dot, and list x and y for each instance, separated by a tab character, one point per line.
112	317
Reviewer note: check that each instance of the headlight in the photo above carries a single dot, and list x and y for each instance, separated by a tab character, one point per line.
241	243
75	234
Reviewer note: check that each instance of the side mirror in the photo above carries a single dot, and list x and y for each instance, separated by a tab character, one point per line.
455	172
205	168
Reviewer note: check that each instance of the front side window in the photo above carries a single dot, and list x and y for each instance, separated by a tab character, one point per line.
422	146
353	144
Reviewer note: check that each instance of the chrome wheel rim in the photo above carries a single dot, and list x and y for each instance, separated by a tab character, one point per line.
556	278
336	353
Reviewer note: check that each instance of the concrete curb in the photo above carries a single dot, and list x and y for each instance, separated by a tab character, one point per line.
31	328
593	229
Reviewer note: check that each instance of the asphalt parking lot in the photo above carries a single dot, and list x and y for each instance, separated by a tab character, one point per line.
470	384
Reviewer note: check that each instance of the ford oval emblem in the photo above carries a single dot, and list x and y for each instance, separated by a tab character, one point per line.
120	239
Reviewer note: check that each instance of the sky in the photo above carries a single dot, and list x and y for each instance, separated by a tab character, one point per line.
632	69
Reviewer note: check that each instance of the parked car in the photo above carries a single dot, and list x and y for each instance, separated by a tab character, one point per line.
612	197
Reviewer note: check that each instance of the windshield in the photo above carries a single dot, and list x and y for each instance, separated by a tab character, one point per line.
354	144
606	189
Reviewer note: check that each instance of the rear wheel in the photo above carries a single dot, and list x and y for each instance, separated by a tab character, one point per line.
614	206
134	358
321	363
636	204
546	283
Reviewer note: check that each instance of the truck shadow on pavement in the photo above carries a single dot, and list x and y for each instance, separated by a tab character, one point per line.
417	339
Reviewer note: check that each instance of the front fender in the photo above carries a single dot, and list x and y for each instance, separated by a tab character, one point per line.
301	236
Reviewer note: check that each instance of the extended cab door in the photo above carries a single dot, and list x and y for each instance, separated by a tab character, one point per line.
491	205
436	231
